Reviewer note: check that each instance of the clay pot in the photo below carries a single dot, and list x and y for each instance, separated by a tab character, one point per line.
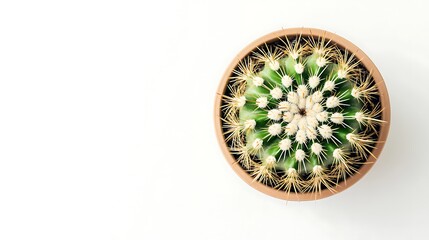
368	64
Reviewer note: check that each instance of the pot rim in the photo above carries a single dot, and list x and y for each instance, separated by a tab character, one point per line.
360	55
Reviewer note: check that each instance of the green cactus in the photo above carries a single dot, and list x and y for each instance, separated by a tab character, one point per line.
301	114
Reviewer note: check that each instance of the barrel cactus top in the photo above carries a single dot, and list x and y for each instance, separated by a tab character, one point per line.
301	114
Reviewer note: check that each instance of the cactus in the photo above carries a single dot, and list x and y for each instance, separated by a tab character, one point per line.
301	114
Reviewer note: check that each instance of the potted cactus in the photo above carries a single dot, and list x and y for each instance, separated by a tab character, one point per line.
301	114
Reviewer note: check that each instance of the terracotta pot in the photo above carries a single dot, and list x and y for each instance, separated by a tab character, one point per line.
368	64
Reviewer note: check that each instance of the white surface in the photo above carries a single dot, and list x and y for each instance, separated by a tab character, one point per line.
106	121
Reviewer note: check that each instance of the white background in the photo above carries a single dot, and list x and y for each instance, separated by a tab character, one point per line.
106	121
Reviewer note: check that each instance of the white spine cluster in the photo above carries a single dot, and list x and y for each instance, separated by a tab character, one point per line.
329	86
258	81
299	68
270	160
342	73
288	117
313	81
262	102
274	65
321	61
249	124
240	101
302	91
274	114
257	143
287	81
291	129
276	93
275	129
293	97
316	148
285	144
300	155
337	118
359	116
332	102
338	154
325	131
284	106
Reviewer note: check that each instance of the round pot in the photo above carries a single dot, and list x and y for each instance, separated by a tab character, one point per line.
365	61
